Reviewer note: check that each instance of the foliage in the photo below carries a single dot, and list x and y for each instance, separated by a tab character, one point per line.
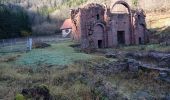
45	11
135	3
45	28
25	33
72	3
13	21
19	97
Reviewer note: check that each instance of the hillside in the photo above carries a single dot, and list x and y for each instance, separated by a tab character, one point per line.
159	24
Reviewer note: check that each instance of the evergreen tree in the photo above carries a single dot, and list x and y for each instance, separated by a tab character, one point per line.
12	23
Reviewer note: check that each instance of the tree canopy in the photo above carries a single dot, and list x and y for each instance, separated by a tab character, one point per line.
13	21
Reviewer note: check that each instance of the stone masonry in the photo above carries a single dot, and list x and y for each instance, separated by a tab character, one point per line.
97	26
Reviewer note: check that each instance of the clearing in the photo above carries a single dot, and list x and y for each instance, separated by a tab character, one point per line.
56	54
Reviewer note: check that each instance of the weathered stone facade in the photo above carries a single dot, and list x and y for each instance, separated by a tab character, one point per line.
96	26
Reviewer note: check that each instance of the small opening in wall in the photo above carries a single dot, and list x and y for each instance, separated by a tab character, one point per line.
121	37
138	17
99	43
140	40
98	16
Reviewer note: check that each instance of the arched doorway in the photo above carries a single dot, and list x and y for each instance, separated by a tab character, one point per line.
122	23
98	35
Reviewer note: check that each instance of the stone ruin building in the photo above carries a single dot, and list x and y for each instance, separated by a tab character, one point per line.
96	26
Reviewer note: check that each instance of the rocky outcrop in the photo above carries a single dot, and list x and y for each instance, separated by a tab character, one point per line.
130	65
136	60
111	55
163	59
153	55
38	93
110	68
133	65
104	90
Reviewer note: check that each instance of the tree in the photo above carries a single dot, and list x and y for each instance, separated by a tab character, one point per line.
12	22
135	3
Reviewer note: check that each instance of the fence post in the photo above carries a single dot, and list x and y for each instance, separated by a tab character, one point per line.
11	44
3	43
29	44
15	41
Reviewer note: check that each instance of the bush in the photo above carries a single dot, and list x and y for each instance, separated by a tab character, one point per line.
45	28
25	33
135	3
19	97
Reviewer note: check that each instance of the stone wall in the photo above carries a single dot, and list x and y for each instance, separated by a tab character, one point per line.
96	26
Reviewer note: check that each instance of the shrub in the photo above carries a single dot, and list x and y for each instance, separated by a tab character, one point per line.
25	33
135	3
45	28
19	97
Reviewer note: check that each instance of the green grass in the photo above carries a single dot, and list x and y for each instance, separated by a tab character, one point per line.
57	54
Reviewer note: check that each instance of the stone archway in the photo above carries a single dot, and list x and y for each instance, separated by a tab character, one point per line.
98	35
125	4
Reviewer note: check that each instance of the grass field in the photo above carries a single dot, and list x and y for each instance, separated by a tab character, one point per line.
20	70
62	68
56	54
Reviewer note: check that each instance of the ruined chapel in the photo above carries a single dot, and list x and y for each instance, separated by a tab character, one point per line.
97	26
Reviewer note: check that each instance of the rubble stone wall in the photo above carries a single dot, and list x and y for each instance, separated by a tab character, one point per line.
96	26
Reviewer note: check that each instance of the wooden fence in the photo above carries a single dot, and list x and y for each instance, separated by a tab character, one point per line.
25	44
15	45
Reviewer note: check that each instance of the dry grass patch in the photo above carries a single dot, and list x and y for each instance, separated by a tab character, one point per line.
9	58
129	84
